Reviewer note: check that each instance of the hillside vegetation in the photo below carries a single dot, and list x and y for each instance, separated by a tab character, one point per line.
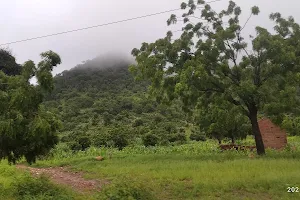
100	104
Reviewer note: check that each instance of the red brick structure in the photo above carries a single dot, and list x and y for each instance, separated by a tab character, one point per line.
273	136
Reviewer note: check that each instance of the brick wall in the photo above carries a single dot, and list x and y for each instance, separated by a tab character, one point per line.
273	136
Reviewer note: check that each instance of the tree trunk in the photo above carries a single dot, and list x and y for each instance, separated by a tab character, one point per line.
256	131
232	140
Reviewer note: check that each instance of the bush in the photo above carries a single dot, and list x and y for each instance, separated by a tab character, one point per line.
75	146
85	143
197	136
61	150
119	137
177	137
64	139
100	139
137	122
150	139
27	187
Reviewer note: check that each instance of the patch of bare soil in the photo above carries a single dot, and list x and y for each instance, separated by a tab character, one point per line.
63	176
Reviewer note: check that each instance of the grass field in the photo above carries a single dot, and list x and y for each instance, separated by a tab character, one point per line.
15	184
191	171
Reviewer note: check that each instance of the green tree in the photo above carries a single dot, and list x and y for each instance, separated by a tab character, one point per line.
223	120
150	139
291	124
8	63
119	136
27	128
213	60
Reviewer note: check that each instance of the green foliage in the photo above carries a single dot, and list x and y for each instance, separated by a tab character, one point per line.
197	136
107	106
8	63
75	146
119	136
127	190
85	142
189	171
18	184
41	188
100	138
212	64
137	122
255	10
178	137
223	121
27	128
292	125
150	139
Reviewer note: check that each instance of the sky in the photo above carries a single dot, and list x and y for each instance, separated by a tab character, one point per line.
22	19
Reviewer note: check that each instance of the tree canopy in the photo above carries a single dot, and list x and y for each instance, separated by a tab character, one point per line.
214	59
8	63
27	128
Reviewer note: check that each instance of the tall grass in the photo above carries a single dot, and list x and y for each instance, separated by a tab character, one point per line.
16	184
197	170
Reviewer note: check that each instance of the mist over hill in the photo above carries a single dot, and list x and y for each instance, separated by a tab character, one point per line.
104	61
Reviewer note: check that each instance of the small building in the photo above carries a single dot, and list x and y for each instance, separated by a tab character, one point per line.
273	136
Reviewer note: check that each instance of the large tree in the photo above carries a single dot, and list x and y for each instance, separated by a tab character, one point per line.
27	128
212	59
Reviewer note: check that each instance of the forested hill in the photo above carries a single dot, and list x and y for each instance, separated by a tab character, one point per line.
97	100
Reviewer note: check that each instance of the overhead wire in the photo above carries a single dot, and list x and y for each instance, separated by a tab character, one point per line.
96	26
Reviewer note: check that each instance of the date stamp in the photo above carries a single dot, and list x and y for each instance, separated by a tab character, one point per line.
292	189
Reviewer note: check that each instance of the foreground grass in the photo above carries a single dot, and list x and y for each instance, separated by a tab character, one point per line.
192	171
16	184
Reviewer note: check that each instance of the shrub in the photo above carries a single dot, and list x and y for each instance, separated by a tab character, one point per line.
75	146
64	139
157	118
150	139
119	136
137	122
100	139
28	187
60	150
197	136
84	142
177	137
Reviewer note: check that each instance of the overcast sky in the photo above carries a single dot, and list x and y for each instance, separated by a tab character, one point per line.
21	19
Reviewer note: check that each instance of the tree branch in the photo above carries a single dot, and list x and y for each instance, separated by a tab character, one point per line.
238	103
233	56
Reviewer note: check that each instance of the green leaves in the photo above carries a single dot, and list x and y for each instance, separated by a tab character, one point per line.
172	20
28	69
237	11
208	68
27	128
51	57
200	2
188	27
255	10
183	5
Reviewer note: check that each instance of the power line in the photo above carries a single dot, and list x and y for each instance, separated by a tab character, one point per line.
246	22
90	27
96	26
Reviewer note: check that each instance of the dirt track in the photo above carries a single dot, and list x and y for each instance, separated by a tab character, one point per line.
63	176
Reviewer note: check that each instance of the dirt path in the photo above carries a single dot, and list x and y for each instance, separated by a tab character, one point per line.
63	176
